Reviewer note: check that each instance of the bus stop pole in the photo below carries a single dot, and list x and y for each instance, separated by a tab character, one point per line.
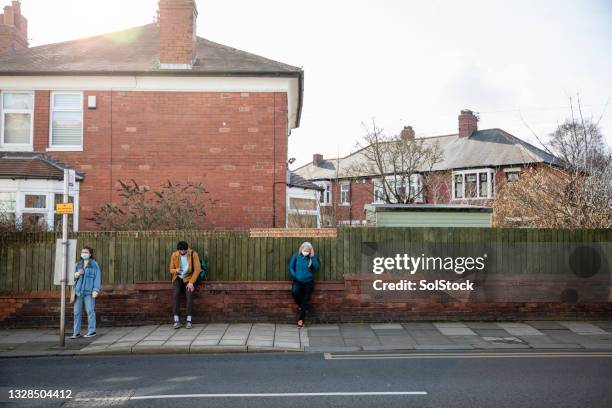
62	339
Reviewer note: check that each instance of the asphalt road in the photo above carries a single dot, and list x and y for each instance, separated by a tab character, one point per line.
311	380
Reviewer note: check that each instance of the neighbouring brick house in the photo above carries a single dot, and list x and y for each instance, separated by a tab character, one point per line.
474	164
149	103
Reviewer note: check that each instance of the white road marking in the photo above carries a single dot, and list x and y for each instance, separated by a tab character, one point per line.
257	395
330	356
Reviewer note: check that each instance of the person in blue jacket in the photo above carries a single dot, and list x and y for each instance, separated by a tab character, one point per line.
87	282
302	267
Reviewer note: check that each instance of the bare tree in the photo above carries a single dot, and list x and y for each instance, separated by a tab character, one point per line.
575	194
397	161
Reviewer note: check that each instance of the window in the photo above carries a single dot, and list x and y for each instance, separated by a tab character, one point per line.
483	189
416	187
8	203
66	121
345	193
512	176
459	186
34	211
17	120
379	192
326	195
473	184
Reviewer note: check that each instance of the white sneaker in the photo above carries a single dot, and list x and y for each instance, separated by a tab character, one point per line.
177	325
93	334
75	336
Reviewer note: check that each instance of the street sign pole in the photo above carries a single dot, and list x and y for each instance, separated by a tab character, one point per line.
64	264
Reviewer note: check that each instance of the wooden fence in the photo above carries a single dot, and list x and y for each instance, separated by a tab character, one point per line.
26	260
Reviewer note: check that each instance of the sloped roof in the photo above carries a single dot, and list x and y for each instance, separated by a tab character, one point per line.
298	181
484	148
135	50
24	165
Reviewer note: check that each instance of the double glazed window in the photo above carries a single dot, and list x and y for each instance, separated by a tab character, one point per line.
345	193
326	195
473	184
66	130
17	120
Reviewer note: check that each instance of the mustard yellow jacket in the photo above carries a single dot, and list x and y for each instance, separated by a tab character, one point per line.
192	258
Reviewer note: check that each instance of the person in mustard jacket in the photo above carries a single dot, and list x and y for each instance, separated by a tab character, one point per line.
185	269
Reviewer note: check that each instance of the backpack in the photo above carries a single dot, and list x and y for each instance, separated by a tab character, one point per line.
202	274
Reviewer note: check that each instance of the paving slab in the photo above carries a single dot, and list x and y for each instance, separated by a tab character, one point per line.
544	325
483	325
520	329
454	329
583	328
360	342
326	341
384	326
418	326
383	347
391	332
217	349
491	333
429	337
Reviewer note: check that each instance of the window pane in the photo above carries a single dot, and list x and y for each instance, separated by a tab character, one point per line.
18	101
512	176
7	202
34	220
67	101
17	128
470	185
67	128
483	185
459	186
35	201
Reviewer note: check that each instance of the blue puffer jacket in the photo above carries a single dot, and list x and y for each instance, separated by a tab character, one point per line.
298	267
90	281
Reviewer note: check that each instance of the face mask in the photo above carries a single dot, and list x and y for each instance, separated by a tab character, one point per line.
305	253
85	256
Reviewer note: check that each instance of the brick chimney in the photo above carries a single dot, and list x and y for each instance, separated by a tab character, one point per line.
407	133
317	158
468	123
177	33
13	29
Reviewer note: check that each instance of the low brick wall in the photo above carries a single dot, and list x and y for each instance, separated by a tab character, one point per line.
265	301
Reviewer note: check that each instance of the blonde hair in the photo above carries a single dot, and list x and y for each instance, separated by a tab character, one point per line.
308	245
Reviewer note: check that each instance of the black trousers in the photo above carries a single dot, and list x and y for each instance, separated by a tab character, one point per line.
178	287
301	292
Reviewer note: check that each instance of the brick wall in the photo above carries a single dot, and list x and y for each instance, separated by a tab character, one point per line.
232	142
335	301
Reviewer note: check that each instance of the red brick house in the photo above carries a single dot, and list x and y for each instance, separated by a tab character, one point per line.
474	164
149	103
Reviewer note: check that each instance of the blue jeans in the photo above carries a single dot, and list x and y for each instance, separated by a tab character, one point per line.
90	306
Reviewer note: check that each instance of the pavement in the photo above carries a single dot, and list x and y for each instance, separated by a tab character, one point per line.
344	337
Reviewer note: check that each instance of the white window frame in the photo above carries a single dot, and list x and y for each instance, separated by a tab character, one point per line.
23	147
378	185
344	185
416	181
52	109
490	183
326	185
48	188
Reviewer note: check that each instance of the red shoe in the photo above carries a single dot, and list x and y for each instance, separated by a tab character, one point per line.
300	324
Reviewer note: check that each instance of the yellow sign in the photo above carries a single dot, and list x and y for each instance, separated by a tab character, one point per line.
67	208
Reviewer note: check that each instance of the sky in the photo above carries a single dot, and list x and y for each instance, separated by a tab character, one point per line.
398	62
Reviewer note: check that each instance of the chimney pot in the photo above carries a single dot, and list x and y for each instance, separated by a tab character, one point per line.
407	133
468	123
317	158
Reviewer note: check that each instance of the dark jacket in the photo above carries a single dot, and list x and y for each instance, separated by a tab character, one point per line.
299	270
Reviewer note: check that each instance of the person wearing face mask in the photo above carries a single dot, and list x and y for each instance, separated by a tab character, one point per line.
302	267
87	282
